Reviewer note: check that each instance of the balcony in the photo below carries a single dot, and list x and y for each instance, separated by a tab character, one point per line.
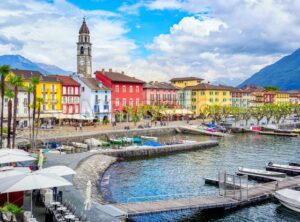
45	90
53	92
53	101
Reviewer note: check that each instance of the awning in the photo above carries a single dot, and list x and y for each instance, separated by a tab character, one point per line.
177	112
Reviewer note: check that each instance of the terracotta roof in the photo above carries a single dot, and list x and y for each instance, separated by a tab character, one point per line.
93	83
26	74
205	86
84	29
185	79
160	85
67	80
46	78
120	77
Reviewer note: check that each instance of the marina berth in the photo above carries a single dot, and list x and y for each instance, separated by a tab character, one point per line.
289	170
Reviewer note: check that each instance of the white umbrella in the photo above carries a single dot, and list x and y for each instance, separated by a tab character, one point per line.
14	171
11	158
88	196
41	160
4	151
58	170
32	181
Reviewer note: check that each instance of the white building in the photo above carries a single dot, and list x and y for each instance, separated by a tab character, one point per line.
95	98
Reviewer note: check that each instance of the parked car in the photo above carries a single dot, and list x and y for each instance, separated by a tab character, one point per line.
46	126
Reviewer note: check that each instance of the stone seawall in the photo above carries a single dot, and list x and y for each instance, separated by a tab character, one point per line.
161	150
113	134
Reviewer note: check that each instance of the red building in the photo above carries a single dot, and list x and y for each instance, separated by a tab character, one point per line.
70	95
269	97
125	90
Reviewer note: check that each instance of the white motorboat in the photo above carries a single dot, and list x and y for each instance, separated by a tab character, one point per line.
188	141
281	166
80	145
92	142
289	198
261	172
149	138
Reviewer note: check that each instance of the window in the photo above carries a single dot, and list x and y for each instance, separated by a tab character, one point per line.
217	99
194	93
53	97
65	109
53	88
224	93
44	87
123	88
130	102
216	93
124	102
130	89
137	102
96	99
76	91
64	90
70	99
76	109
211	93
64	99
25	110
81	50
70	90
117	88
202	93
105	99
70	109
53	107
25	102
137	89
44	107
211	100
117	102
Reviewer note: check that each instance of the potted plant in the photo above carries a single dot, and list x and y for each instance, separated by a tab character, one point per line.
9	211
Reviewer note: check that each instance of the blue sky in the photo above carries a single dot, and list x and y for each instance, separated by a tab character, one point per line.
219	41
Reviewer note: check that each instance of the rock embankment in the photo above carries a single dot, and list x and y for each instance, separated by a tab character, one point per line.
92	169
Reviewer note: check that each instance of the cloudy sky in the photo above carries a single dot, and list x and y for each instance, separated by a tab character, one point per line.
220	41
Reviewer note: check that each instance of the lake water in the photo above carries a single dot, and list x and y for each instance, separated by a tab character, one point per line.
182	174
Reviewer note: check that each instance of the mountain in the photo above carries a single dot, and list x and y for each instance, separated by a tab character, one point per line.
20	62
285	73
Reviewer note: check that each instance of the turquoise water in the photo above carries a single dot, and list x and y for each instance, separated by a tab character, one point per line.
183	173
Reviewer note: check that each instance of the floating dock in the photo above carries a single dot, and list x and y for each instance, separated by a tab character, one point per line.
186	129
288	171
255	194
272	133
215	182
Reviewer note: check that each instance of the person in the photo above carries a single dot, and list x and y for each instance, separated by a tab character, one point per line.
80	126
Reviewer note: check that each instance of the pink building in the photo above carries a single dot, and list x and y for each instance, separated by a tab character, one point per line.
160	93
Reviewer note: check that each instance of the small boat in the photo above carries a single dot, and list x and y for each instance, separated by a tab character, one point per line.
280	166
289	198
66	148
137	140
80	145
188	141
149	138
127	139
152	143
104	143
261	172
116	141
294	164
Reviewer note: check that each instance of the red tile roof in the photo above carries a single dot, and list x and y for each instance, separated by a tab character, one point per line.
26	74
160	85
84	29
120	77
67	80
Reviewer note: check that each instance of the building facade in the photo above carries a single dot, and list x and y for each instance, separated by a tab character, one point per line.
185	98
206	94
125	90
160	93
70	96
186	81
242	98
95	98
84	51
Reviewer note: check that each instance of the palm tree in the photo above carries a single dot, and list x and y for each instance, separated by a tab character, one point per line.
16	82
29	90
34	81
39	102
4	71
9	94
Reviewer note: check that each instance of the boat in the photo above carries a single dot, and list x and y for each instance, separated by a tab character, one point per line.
127	139
283	167
137	140
188	141
80	145
152	143
289	198
149	138
116	141
104	143
261	172
66	148
294	164
92	142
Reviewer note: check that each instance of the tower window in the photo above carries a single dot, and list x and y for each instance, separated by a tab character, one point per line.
85	38
81	50
89	51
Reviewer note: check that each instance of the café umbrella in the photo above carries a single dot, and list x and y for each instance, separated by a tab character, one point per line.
12	158
32	181
58	170
4	151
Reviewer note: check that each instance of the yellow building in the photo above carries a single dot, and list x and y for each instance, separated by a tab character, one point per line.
206	94
49	89
186	81
282	97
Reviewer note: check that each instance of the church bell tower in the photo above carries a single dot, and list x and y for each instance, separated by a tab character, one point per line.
84	51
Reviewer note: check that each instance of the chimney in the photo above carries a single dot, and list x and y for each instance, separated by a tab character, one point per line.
110	69
122	72
103	70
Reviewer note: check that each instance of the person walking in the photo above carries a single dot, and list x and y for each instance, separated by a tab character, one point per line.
80	126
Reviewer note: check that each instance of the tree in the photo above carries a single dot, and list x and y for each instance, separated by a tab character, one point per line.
204	113
246	115
34	82
16	82
215	112
268	110
4	71
9	94
236	112
257	113
271	88
29	90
